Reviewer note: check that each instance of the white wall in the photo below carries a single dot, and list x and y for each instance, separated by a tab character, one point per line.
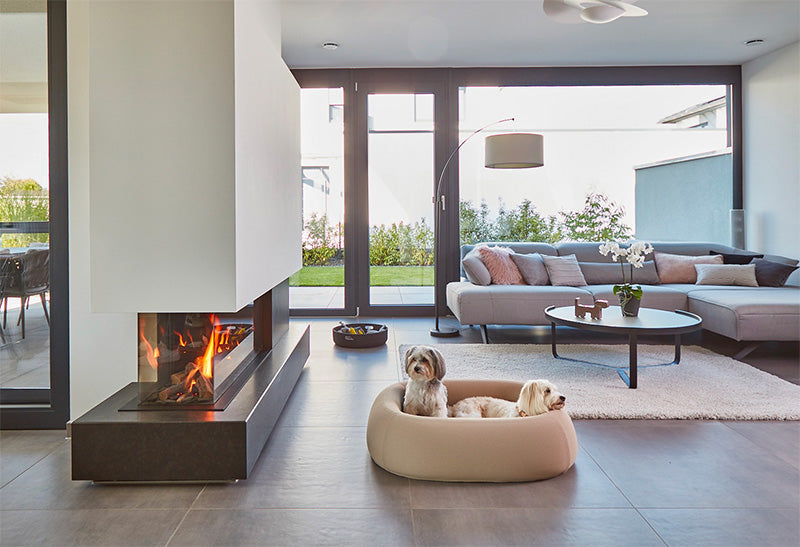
771	95
268	190
154	171
162	145
102	345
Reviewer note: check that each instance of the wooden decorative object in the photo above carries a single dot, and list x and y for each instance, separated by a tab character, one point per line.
596	311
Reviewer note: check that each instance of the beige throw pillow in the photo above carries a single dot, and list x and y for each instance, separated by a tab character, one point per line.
564	271
680	268
726	274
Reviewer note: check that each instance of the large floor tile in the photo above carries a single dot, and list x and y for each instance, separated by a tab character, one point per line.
781	439
312	468
22	449
688	464
336	364
330	404
584	485
726	527
295	527
48	485
527	526
103	527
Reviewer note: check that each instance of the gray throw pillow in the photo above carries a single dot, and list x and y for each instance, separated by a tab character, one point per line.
476	270
532	268
772	274
564	271
726	274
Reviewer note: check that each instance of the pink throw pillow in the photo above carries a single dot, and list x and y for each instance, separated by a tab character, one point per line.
680	268
501	268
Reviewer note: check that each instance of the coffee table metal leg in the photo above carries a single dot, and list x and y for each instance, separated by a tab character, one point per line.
553	339
630	378
677	349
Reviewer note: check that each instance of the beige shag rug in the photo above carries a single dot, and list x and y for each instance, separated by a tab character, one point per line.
705	385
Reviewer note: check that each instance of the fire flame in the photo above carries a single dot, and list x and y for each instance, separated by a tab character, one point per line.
206	362
150	354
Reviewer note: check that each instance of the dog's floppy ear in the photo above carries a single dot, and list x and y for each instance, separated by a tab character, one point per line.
437	362
538	403
526	396
409	351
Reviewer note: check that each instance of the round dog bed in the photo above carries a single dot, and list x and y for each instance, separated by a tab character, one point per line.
469	449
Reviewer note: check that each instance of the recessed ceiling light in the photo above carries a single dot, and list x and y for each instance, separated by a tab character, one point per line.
330	45
755	42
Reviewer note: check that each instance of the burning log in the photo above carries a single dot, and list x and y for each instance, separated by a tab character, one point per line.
186	398
178	377
205	389
170	393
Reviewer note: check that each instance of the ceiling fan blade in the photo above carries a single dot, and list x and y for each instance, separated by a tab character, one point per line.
601	14
562	12
630	10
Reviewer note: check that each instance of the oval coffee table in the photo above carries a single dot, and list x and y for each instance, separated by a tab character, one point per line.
649	321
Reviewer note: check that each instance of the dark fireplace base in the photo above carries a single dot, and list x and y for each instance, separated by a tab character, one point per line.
190	445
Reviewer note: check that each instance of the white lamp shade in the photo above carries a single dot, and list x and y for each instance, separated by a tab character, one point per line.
514	151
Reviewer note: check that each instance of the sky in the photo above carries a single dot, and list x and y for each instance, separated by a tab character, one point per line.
24	147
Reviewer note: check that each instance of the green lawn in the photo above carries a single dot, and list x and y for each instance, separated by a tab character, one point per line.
379	276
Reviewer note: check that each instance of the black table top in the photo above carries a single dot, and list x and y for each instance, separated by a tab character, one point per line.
649	320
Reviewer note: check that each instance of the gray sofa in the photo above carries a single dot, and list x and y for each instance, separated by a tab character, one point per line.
740	313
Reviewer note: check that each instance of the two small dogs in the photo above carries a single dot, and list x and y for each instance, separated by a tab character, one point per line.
426	395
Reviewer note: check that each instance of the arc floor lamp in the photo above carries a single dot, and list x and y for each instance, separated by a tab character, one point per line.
503	151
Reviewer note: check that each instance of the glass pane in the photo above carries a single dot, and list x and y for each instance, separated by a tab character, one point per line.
320	284
24	199
620	162
401	175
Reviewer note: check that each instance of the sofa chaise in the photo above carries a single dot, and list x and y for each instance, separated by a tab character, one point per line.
749	314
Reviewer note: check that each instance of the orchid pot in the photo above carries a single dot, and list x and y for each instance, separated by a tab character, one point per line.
629	294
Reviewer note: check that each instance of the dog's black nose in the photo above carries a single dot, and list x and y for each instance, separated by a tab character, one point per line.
562	398
416	369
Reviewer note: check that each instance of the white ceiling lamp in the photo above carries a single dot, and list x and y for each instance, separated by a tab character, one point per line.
590	11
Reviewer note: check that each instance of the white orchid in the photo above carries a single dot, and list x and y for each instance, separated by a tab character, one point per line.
634	254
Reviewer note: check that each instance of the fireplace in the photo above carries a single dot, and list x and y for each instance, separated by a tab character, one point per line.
210	388
190	358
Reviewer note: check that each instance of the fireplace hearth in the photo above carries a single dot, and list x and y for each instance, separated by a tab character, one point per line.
211	388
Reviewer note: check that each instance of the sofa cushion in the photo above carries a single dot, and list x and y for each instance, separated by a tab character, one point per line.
532	268
772	274
598	273
763	313
736	258
475	269
501	268
509	304
564	271
653	296
726	274
680	268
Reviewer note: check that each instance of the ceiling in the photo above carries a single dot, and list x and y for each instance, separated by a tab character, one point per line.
416	33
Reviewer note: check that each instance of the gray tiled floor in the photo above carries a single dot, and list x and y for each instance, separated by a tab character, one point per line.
634	482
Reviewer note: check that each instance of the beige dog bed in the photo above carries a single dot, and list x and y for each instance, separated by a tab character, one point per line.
469	449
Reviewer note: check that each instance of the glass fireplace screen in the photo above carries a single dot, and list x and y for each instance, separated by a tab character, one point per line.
186	358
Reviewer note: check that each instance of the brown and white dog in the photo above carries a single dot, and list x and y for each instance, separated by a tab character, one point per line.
535	397
425	394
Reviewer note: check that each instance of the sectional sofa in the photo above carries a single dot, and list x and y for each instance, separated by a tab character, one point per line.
751	314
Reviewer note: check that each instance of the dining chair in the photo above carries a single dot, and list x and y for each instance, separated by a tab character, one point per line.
30	277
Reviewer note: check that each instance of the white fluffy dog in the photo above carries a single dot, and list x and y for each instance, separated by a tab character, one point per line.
425	394
535	397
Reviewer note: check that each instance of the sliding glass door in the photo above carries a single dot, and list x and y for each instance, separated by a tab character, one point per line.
34	324
320	285
400	174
